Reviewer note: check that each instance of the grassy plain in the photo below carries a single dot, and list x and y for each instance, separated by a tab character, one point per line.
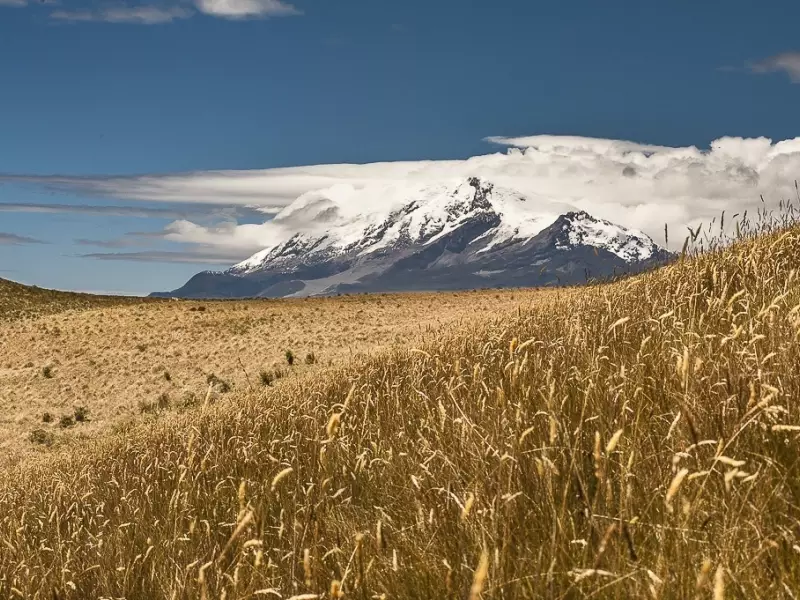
631	440
128	359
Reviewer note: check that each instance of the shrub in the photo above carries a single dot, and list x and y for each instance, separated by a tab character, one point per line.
266	378
81	414
163	402
47	372
220	385
188	399
47	418
147	406
167	376
40	436
66	421
311	358
289	357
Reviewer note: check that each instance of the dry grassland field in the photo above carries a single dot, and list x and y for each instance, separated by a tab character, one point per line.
635	439
124	359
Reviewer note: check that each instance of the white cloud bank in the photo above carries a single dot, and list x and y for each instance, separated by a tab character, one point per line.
246	9
635	185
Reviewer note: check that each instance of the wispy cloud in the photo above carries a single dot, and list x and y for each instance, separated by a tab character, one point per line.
128	240
206	187
247	9
197	256
788	62
86	209
120	13
16	240
117	243
13	3
197	211
154	14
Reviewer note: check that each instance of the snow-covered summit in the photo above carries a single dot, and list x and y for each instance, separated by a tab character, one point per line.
631	245
456	234
427	214
424	215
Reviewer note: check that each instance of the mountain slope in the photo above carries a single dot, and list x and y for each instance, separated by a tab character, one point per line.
471	235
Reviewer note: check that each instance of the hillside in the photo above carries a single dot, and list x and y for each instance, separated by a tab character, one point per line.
636	439
125	360
19	301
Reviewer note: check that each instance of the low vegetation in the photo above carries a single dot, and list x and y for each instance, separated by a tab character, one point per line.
19	301
119	359
638	439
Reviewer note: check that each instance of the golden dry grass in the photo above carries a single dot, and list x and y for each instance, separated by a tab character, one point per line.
632	440
122	361
19	301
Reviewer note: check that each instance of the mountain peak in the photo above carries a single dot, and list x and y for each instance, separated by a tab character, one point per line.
428	213
445	235
578	215
579	228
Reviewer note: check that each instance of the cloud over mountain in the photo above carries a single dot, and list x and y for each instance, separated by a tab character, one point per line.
636	185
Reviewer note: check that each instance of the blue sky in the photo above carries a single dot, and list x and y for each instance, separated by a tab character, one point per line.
107	89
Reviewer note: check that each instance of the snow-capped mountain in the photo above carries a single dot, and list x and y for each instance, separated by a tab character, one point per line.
460	236
434	212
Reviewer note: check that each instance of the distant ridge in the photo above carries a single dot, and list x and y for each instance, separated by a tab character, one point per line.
19	301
